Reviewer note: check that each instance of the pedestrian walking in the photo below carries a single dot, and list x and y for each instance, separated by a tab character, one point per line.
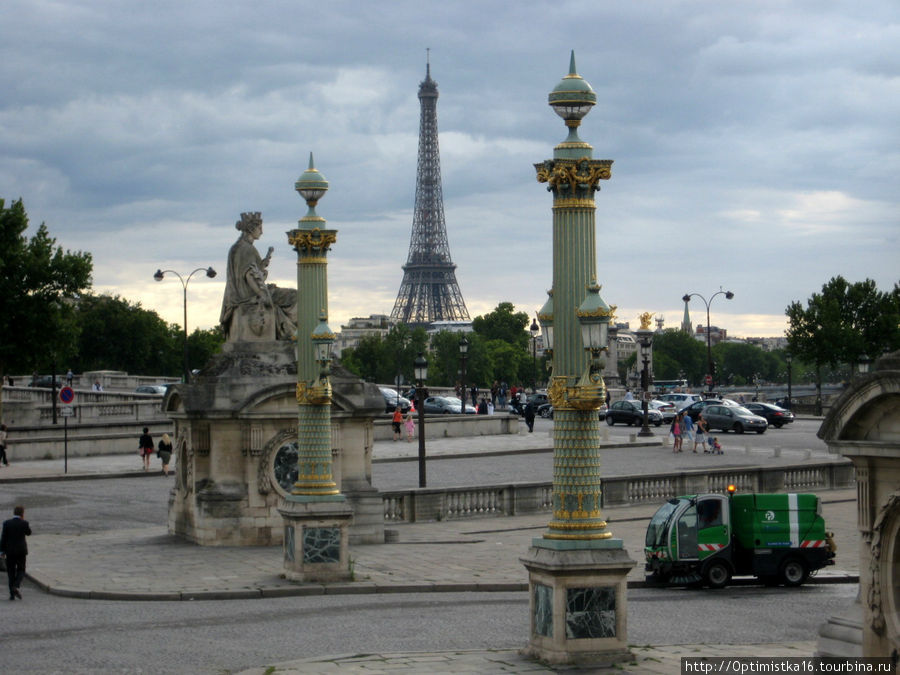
474	393
675	429
4	435
687	435
164	452
145	448
396	421
14	548
700	433
70	377
410	425
529	416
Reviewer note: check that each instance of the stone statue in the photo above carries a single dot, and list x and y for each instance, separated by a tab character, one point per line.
251	309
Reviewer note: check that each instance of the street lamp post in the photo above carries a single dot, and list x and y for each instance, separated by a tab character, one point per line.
576	561
463	351
709	363
210	272
645	342
789	358
420	370
535	329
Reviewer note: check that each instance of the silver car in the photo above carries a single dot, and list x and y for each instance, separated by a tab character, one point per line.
734	418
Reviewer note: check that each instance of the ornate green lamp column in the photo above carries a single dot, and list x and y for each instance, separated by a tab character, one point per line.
316	514
576	569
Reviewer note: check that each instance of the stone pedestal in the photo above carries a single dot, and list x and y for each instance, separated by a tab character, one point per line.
236	448
578	602
316	539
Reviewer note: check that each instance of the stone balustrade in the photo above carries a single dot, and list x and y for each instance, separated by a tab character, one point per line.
418	505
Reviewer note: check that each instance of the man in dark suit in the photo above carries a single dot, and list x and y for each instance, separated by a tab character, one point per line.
14	548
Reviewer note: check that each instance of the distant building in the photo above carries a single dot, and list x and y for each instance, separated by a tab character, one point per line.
768	344
359	328
716	334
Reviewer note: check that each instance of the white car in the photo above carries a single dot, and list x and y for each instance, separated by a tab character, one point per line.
680	400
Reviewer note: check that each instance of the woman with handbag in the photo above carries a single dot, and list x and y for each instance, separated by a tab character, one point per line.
164	452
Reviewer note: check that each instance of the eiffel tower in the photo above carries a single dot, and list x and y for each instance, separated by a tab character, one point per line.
429	291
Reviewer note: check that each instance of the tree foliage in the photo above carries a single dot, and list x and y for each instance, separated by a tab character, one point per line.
676	352
844	322
39	283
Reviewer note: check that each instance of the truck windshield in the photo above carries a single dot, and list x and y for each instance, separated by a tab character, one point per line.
659	523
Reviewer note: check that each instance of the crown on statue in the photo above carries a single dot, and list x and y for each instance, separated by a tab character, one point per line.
248	221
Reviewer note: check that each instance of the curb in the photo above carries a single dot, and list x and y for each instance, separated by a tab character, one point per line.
361	588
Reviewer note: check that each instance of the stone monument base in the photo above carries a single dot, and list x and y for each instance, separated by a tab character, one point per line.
577	601
316	539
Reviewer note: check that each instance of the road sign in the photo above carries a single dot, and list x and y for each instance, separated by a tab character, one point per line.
66	395
68	411
709	379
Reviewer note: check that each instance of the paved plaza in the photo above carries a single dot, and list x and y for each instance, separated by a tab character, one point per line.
480	555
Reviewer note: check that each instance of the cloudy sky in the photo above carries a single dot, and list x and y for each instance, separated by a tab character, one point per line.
756	144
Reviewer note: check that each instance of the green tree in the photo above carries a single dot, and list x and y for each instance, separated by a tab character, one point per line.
504	323
38	282
120	335
204	344
675	352
842	323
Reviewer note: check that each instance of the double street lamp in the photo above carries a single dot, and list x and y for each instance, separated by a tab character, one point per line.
210	272
709	362
420	372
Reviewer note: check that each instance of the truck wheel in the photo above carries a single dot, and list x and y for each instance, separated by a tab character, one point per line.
793	572
738	428
717	575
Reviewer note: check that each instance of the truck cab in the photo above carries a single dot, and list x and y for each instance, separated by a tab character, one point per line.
708	538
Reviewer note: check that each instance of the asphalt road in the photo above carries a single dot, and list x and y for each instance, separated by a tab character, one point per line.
44	632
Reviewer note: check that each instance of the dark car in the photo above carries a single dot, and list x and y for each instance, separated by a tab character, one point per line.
734	418
446	405
775	415
630	412
45	381
695	408
538	399
153	389
545	411
391	400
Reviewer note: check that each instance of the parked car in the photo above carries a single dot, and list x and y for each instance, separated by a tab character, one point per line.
545	411
680	400
695	408
45	381
446	405
665	408
630	412
538	399
775	415
391	400
153	389
733	418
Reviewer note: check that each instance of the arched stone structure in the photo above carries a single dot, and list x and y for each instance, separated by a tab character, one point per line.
864	426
